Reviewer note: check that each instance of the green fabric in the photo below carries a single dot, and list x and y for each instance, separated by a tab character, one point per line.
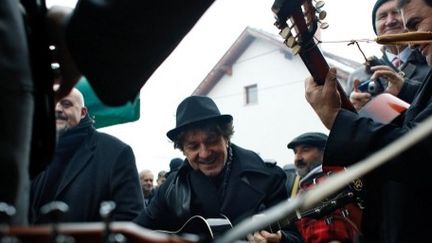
107	115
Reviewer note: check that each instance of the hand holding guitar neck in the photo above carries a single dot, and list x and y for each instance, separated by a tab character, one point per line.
298	24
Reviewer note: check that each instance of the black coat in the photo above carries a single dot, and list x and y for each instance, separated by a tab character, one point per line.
397	200
252	187
103	168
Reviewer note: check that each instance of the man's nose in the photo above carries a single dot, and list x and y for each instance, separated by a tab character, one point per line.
204	151
297	156
58	107
393	19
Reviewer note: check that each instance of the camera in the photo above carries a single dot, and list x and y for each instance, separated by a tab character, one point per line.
374	87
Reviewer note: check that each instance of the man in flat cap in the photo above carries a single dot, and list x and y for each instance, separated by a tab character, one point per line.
308	150
217	178
342	226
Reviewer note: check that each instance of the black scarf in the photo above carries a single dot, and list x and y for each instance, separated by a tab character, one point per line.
221	181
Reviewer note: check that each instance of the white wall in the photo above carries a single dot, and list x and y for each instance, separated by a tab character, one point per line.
282	112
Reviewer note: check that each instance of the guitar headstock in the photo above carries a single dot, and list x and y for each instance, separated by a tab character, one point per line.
298	21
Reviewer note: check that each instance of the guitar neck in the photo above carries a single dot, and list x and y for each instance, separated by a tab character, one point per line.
339	201
318	67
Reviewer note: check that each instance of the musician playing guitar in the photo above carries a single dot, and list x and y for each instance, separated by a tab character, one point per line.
397	207
217	177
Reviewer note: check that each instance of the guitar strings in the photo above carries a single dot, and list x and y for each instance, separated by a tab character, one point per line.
349	43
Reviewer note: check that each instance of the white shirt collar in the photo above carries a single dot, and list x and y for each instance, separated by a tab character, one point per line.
403	55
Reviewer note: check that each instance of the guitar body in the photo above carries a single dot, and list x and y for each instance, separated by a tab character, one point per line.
337	218
206	229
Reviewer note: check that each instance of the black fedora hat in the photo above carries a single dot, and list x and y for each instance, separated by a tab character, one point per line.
196	109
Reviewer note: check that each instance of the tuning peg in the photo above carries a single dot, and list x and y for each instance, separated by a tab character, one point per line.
54	210
323	25
285	33
6	212
296	49
319	4
106	209
322	14
291	42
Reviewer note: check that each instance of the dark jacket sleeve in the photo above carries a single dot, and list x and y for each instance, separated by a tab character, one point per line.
409	90
361	137
125	187
123	41
157	214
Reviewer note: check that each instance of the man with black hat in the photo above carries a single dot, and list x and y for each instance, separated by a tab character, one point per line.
399	71
217	177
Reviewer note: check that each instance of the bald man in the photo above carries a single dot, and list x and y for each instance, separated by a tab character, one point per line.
147	185
88	168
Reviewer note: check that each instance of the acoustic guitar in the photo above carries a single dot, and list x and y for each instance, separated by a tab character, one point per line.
298	22
206	228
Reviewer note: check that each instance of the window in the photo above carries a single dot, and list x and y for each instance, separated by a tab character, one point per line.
251	94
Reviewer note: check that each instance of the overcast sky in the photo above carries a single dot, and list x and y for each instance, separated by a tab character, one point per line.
202	48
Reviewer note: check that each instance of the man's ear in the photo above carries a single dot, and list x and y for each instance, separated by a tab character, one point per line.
83	112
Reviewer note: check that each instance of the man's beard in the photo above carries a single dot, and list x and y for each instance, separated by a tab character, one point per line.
63	129
306	168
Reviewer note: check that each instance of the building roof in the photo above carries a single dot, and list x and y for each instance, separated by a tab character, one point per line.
224	65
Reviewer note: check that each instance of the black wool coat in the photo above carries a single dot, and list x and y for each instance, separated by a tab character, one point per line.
103	168
252	187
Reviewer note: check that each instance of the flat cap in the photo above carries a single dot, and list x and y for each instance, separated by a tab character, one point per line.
315	139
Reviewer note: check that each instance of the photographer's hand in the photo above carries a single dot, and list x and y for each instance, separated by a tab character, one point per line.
395	80
357	98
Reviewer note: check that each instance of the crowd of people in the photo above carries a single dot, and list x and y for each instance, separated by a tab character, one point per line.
216	178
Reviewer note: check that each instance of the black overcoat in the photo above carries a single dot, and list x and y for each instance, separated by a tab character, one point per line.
103	168
252	187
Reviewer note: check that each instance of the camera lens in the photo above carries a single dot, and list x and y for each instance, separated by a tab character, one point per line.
372	87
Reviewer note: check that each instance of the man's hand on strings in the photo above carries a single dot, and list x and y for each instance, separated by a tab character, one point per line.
324	99
358	98
395	80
